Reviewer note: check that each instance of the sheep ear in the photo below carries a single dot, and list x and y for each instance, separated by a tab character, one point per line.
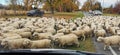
36	35
56	39
26	42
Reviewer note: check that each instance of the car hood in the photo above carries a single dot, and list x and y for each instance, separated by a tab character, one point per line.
60	51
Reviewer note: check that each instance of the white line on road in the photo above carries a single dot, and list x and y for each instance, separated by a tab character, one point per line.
113	52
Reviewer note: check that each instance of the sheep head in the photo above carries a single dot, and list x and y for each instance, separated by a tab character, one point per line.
26	42
100	39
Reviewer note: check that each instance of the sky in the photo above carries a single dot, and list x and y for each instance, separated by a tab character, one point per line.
2	2
107	3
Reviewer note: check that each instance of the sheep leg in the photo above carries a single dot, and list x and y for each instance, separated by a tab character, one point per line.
59	45
83	37
119	49
95	37
78	44
105	47
51	46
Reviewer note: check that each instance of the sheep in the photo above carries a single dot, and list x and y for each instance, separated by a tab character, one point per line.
42	35
88	31
44	43
20	30
39	30
9	35
56	35
6	29
10	38
79	33
118	32
100	32
1	38
25	34
64	30
111	30
111	40
15	43
69	39
15	25
13	37
50	29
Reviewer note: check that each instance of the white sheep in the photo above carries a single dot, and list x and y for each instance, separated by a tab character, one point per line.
15	43
42	35
79	33
56	35
88	30
112	40
9	35
44	43
69	39
100	32
25	34
39	30
50	29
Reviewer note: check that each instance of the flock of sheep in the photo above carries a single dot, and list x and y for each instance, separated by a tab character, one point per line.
19	33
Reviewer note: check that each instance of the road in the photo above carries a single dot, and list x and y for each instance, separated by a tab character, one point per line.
99	48
87	14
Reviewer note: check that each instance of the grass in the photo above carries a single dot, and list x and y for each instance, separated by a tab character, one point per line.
86	45
79	15
66	15
106	14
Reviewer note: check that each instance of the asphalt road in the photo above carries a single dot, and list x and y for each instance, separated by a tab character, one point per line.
87	14
99	48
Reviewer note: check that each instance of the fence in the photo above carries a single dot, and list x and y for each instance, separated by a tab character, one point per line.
11	12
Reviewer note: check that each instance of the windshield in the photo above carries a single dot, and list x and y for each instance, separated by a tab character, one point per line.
91	26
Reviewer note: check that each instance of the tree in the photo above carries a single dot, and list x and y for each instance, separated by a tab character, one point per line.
91	5
97	6
108	10
86	6
62	5
51	4
116	9
28	4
